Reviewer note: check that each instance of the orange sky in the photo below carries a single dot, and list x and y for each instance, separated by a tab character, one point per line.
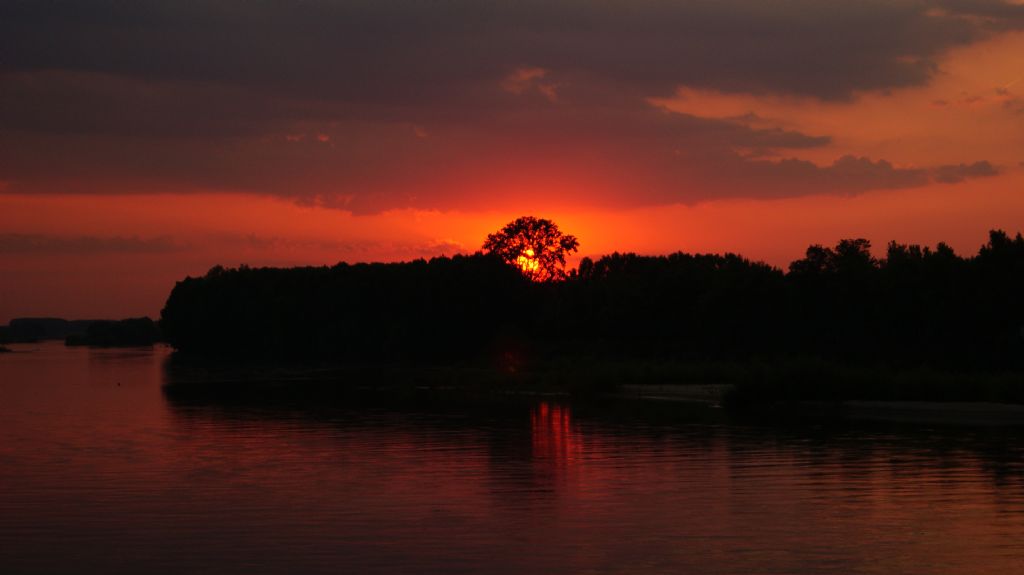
99	219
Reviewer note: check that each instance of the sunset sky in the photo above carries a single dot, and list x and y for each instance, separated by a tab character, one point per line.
144	141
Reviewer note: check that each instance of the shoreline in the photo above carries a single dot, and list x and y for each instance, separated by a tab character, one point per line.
710	385
975	413
710	396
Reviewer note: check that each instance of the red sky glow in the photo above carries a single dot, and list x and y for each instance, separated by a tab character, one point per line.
154	141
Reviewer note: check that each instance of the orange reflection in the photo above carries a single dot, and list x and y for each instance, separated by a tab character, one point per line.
554	438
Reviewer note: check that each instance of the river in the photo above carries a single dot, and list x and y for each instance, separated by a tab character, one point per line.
102	472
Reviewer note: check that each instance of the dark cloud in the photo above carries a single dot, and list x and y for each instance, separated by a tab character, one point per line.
991	14
952	174
375	104
373	165
619	157
77	245
1015	105
86	103
404	50
847	175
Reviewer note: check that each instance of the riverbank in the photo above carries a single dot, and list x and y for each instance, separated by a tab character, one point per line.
931	412
755	382
793	390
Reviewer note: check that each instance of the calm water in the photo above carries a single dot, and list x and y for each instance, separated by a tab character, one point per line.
99	472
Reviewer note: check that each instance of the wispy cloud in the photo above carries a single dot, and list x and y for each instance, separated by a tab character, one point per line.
55	244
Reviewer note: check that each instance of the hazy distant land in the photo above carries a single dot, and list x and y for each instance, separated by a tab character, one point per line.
99	333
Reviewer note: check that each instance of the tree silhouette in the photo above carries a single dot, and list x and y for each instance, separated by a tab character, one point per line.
534	245
913	308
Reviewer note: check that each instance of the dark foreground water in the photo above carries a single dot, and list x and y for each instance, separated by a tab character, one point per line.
101	473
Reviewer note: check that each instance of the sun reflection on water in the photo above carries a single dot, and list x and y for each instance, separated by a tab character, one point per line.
554	437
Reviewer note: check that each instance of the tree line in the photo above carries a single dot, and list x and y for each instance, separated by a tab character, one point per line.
915	307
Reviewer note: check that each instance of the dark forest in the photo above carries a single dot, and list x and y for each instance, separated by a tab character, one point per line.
914	307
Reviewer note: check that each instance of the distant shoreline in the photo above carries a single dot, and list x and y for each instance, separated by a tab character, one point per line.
129	332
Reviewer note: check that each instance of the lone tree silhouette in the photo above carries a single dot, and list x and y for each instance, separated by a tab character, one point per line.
535	246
